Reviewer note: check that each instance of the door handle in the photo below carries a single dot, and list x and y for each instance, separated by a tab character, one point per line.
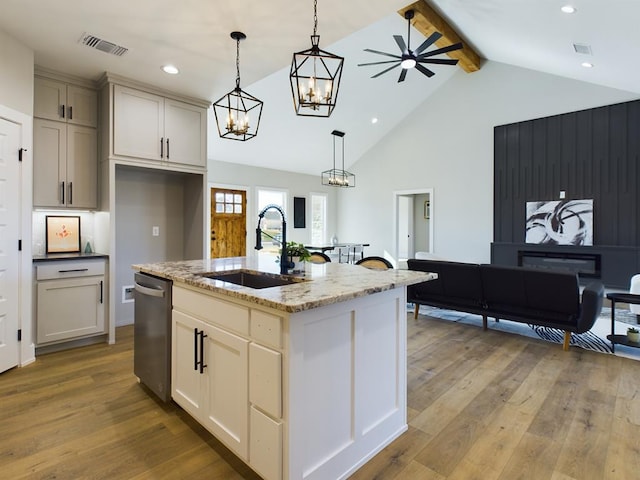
62	191
62	109
162	147
70	113
70	193
101	291
167	149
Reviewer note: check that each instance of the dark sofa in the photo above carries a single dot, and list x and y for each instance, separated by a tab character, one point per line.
527	295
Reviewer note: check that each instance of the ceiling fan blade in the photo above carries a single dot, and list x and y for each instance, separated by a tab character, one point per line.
377	63
424	70
403	74
382	53
385	71
400	41
448	48
439	61
428	42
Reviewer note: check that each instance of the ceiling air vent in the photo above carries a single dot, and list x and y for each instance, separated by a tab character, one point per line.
102	45
583	49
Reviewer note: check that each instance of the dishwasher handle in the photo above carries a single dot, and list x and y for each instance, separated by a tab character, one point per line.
151	291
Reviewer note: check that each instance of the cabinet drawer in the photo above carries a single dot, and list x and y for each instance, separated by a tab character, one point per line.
212	310
69	269
265	379
266	328
265	447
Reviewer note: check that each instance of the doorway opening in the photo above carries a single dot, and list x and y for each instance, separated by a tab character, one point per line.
414	222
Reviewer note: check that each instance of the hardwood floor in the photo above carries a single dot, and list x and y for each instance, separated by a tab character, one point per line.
482	405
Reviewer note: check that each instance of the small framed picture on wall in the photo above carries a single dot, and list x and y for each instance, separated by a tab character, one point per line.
63	234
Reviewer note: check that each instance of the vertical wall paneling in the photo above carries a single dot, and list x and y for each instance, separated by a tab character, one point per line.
589	154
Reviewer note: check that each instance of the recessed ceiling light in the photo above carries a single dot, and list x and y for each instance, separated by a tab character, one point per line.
170	69
374	120
587	65
568	9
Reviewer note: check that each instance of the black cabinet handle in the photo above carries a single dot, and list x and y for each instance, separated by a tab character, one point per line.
167	149
162	147
195	349
202	365
62	191
62	110
70	193
101	291
74	270
70	113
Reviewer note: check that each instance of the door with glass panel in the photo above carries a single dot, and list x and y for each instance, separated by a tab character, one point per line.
228	223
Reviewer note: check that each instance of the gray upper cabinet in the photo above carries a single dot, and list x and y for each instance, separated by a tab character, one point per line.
152	127
65	144
55	100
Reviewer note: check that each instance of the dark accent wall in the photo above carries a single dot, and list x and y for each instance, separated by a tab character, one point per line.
590	154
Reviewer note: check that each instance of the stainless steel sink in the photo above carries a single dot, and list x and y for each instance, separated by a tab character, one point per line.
253	279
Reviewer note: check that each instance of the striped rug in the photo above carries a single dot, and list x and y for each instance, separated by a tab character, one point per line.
594	340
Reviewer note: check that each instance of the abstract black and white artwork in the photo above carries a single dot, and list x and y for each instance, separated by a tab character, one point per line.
560	222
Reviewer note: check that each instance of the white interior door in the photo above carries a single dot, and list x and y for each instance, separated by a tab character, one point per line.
405	226
9	232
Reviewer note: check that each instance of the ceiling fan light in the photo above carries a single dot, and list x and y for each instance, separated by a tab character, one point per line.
408	63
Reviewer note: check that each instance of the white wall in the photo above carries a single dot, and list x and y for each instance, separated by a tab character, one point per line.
296	185
446	144
16	75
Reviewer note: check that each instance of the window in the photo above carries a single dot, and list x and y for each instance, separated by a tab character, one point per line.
271	224
318	218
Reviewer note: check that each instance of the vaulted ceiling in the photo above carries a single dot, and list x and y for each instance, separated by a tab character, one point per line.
194	36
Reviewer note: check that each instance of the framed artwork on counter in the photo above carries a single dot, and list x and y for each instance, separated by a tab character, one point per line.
63	234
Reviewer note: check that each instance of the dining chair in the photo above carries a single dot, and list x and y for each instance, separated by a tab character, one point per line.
344	254
319	257
375	263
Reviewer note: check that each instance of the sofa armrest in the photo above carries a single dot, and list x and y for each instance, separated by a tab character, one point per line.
591	306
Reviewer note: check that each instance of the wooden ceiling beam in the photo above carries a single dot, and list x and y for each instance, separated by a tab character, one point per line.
426	20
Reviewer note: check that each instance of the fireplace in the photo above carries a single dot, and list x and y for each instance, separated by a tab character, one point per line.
584	264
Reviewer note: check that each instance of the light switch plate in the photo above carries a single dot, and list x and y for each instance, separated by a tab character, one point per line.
155	231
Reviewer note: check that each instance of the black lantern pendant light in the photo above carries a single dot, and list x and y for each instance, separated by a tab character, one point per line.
315	77
232	111
338	177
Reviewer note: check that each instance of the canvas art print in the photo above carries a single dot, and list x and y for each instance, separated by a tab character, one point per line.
560	222
63	234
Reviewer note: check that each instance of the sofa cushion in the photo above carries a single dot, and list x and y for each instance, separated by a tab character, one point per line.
553	291
458	284
504	287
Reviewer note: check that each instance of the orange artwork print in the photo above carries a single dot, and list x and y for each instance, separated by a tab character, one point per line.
63	234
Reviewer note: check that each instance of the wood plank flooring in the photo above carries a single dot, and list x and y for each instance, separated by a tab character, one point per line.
482	405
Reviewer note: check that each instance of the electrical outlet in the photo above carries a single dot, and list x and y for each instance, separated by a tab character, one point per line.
127	294
563	194
155	231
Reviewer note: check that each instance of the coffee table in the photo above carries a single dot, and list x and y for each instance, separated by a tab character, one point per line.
622	298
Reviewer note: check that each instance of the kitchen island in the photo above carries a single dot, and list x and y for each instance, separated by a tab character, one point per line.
302	381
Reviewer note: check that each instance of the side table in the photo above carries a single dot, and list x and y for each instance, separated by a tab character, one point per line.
622	298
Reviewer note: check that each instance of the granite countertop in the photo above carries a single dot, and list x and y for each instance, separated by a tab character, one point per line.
67	256
324	284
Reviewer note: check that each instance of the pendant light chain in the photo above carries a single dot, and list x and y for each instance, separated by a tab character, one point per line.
238	63
315	17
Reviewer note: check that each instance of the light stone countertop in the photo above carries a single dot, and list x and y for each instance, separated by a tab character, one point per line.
324	284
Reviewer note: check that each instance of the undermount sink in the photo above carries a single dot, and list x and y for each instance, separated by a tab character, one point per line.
253	279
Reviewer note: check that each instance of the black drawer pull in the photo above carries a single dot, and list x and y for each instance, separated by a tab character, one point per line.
74	270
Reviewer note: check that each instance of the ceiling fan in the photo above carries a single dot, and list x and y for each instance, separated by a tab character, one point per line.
414	58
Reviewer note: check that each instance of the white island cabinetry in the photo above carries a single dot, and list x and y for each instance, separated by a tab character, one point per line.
304	395
303	381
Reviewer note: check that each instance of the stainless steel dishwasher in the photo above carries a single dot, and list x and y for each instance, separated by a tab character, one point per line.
152	334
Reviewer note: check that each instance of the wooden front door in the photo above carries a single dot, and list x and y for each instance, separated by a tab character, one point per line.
228	223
